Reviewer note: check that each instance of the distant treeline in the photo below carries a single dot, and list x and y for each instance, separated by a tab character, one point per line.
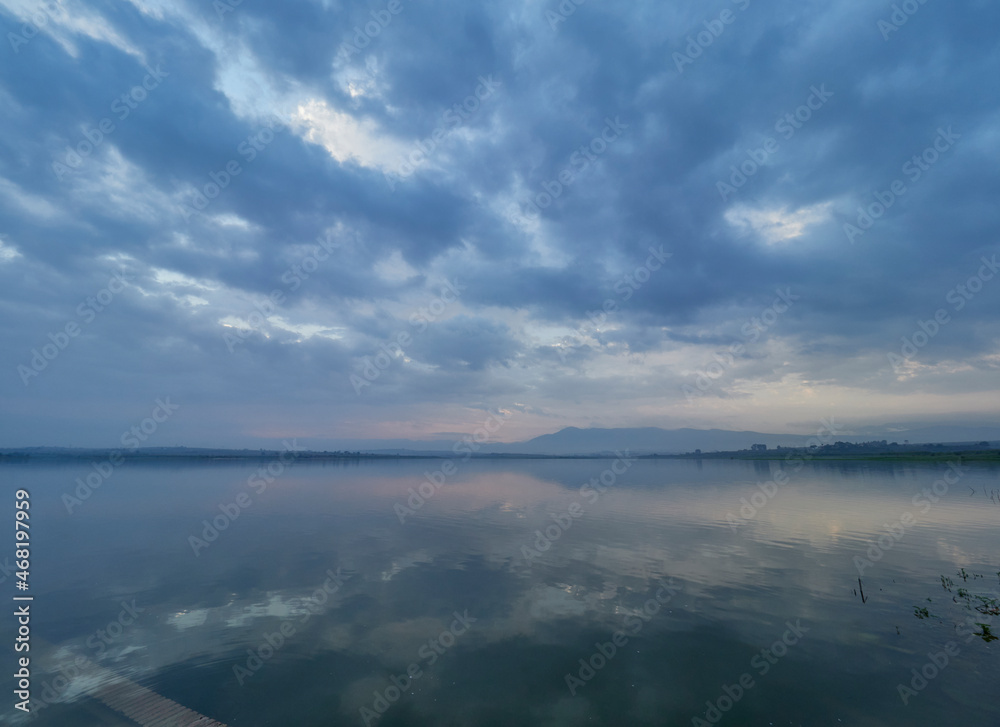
45	453
979	450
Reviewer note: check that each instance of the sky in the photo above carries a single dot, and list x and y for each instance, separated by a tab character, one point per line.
226	223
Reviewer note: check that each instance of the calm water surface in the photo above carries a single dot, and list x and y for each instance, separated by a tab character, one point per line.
518	593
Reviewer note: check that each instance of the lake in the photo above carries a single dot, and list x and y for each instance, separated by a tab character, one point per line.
511	592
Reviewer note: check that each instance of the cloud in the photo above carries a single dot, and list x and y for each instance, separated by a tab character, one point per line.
556	311
62	20
345	138
776	226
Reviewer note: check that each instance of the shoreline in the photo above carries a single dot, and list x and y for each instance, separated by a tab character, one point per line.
776	456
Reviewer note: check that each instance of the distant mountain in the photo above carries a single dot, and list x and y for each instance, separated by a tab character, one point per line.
576	441
573	440
650	440
653	440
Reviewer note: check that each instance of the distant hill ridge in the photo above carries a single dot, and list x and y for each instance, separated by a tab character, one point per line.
577	441
649	440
